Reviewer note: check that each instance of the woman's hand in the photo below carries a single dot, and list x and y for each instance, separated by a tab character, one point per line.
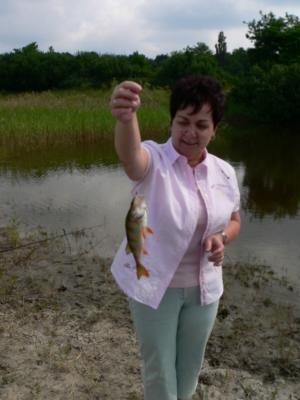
125	101
214	245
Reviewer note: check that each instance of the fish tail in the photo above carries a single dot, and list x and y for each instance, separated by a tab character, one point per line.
141	271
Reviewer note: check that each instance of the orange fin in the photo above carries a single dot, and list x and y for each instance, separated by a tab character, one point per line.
141	271
146	229
149	230
145	252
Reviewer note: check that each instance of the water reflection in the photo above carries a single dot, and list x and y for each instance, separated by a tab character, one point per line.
36	164
65	189
271	166
69	200
271	170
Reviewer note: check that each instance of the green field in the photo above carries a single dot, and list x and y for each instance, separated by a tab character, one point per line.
38	120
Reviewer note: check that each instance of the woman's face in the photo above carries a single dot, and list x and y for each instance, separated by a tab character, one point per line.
191	133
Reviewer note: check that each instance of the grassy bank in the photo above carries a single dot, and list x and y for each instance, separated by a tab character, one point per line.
36	120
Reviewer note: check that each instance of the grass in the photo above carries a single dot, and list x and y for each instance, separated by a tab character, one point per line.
39	120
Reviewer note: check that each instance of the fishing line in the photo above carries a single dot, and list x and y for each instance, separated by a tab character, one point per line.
82	230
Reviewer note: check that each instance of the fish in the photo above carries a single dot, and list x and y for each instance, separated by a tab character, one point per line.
136	229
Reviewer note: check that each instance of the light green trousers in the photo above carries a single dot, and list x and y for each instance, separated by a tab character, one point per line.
172	341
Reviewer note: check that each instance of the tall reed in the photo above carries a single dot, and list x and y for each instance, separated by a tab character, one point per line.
35	120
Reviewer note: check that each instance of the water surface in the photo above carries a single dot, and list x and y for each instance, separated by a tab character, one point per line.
62	190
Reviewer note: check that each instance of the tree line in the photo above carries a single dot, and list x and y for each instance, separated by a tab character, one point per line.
263	81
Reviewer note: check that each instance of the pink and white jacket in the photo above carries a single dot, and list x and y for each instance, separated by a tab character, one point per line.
171	189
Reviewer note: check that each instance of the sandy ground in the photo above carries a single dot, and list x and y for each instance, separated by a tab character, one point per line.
66	332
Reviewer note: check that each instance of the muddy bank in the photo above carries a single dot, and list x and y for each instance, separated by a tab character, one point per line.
66	332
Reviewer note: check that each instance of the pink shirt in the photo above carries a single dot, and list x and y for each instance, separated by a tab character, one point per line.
171	189
187	272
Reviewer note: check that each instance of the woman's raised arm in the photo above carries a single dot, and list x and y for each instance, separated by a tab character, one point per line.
125	101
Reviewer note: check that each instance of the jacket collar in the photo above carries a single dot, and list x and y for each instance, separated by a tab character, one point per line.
173	155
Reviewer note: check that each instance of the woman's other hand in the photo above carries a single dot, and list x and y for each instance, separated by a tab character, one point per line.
214	245
125	100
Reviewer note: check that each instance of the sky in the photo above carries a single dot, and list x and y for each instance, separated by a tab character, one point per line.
151	27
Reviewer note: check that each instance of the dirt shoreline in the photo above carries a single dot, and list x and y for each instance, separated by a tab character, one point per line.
66	332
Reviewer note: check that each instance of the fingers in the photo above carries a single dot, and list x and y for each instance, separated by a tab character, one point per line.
131	86
125	100
215	246
214	243
217	259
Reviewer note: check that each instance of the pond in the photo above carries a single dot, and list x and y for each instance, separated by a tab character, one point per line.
68	189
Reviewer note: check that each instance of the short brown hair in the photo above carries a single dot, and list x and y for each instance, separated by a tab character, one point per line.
195	91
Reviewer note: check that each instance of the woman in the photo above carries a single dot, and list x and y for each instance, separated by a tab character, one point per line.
193	209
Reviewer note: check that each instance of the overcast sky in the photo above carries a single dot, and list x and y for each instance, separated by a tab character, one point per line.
150	27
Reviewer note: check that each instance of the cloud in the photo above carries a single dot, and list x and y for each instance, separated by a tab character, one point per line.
278	7
191	14
281	3
123	26
105	26
22	22
176	25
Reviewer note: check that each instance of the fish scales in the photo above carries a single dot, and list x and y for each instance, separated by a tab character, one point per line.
136	229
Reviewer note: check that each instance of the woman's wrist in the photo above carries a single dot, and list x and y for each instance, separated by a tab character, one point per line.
225	238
